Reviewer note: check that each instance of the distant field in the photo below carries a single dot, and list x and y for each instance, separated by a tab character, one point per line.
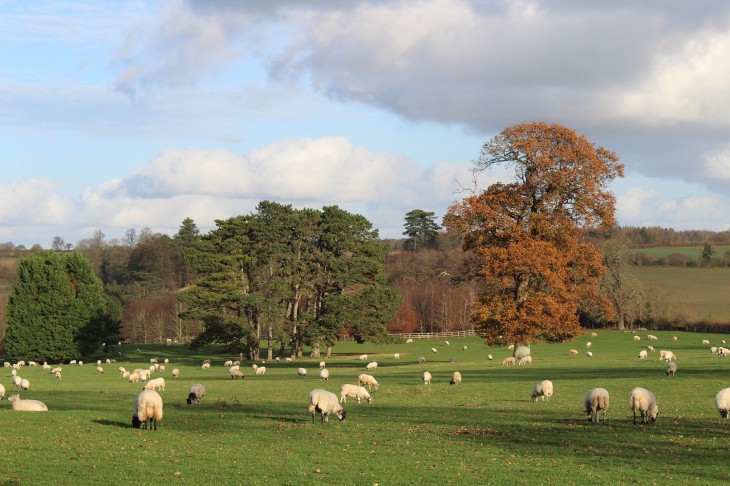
485	430
701	292
694	252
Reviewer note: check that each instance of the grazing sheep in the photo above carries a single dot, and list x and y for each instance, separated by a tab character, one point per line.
465	348
58	375
674	338
175	372
589	354
99	370
72	362
363	357
155	384
121	370
524	360
125	375
637	338
322	364
254	366
593	334
705	341
723	352
154	360
713	350
426	378
261	370
237	374
542	389
205	366
396	356
24	384
234	367
589	344
20	405
147	410
372	365
134	377
421	360
324	374
301	372
228	363
643	354
643	401
446	343
325	402
489	357
409	341
573	352
81	363
197	392
510	360
667	355
455	378
595	400
434	350
98	362
2	391
16	381
652	337
368	380
722	402
354	391
288	360
671	368
651	348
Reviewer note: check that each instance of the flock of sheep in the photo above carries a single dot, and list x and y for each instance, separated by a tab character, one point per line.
148	406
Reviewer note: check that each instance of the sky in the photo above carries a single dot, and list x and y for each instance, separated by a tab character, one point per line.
118	115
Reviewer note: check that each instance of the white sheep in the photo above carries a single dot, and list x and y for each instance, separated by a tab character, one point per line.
573	352
228	363
651	348
372	365
24	384
98	362
133	377
175	372
643	354
713	350
288	360
325	402
652	337
511	347
81	363
205	366
301	372
58	375
455	378
409	341
489	357
589	354
446	343
368	380
121	370
637	338
589	344
510	360
525	359
20	405
396	356
542	389
426	378
674	338
322	364
261	370
465	348
354	391
155	384
434	350
2	391
705	341
324	374
125	375
421	360
722	402
671	368
594	334
234	367
99	369
236	374
643	401
16	381
595	400
667	355
197	392
363	357
147	410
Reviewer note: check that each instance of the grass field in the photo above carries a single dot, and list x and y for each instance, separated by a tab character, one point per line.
694	252
700	293
484	431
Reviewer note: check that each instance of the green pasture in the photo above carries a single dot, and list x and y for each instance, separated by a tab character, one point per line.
694	252
485	430
700	293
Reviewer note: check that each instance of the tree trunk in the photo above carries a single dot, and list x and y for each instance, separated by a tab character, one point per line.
315	351
329	350
270	345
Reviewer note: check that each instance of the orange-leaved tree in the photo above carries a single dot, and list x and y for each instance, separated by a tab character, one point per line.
537	269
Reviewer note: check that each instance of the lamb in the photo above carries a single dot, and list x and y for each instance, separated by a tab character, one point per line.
643	354
525	359
155	384
147	410
325	402
671	368
455	378
237	374
573	352
354	391
372	365
542	389
510	360
20	405
261	370
301	372
368	380
426	378
197	392
722	402
595	400
24	384
324	374
175	372
643	401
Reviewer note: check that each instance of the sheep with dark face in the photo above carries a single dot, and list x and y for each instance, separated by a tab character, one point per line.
644	402
722	402
197	392
147	410
325	402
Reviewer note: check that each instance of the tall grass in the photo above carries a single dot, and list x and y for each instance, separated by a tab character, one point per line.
485	430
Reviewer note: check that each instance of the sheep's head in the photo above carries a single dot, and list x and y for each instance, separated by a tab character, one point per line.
723	413
190	399
369	399
653	413
341	415
136	422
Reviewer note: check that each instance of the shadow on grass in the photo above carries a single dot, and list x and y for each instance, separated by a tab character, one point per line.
114	423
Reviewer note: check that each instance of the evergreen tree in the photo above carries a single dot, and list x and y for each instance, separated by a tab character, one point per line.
54	297
421	230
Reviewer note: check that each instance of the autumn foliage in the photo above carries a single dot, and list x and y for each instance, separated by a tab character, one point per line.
536	267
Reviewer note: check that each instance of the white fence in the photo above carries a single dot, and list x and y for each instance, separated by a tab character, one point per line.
431	335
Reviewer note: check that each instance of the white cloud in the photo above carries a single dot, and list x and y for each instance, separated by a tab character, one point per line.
32	202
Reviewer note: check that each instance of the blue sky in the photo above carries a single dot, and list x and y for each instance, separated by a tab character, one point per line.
118	115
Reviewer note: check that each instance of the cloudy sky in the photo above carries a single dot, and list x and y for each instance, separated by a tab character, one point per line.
133	114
